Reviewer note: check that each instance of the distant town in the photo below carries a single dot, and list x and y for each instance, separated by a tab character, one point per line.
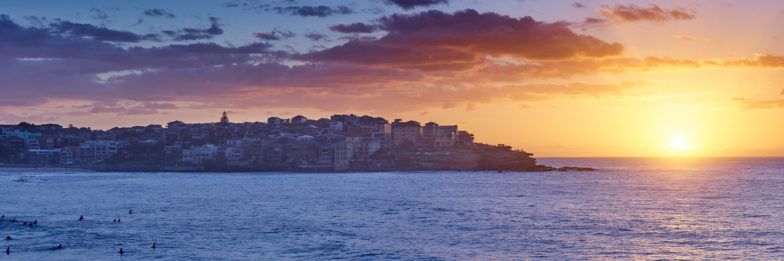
340	143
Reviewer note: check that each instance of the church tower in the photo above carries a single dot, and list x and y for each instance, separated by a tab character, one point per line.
224	119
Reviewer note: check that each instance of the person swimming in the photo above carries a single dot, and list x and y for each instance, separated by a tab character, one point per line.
118	220
153	245
13	220
8	237
8	250
35	222
24	223
121	251
81	217
30	224
130	212
60	246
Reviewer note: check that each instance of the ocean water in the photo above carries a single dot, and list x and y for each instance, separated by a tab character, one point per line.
633	208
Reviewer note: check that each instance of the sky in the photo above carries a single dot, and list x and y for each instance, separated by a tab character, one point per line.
585	78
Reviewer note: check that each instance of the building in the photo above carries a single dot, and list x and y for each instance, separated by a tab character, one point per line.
68	155
406	132
43	157
96	151
366	148
198	154
299	119
275	121
445	136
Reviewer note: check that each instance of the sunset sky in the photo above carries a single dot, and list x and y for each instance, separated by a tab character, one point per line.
555	78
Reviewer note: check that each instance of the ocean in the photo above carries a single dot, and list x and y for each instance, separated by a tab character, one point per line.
632	208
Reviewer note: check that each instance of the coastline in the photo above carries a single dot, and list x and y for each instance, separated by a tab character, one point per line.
539	168
43	169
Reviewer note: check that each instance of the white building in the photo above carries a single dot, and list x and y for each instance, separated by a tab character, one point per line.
197	155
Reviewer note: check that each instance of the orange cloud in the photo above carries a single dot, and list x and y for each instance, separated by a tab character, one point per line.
397	99
684	37
759	61
435	40
630	13
752	104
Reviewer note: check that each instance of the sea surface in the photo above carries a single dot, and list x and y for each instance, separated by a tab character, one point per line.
633	208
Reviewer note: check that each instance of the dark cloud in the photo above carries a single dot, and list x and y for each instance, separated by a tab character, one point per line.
318	11
97	33
275	35
99	14
372	54
138	22
75	67
434	39
157	12
316	36
44	27
631	13
426	60
494	34
189	34
353	28
234	4
410	4
578	5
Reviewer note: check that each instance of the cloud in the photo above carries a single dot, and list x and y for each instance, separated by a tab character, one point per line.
371	54
189	34
353	28
398	100
435	40
316	36
410	4
752	104
97	33
99	14
684	37
67	66
127	107
578	5
275	35
759	61
426	60
157	12
631	13
318	11
782	92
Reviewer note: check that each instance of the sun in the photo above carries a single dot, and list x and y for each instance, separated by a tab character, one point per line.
678	144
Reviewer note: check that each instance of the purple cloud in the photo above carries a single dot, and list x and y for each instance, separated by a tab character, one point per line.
275	35
410	4
353	28
318	11
157	12
189	34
